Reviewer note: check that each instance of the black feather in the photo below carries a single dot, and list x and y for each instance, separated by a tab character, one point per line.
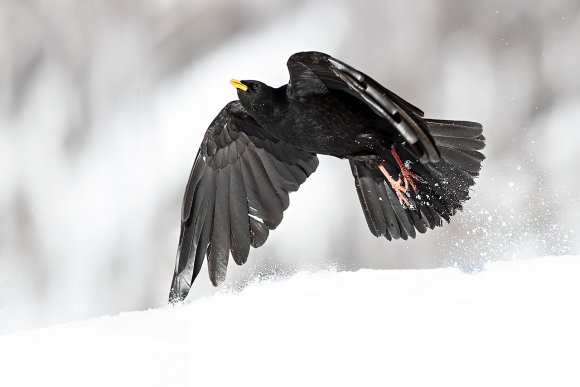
219	247
239	218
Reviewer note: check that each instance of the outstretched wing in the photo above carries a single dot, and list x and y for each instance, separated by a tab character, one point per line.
237	192
315	72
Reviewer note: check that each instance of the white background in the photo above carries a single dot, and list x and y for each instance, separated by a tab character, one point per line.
103	105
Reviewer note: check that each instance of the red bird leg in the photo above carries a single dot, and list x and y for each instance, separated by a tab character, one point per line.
407	175
398	187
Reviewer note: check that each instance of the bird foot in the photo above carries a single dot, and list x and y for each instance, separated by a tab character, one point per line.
404	182
406	174
400	186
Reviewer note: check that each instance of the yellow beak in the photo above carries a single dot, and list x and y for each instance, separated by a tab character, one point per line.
238	85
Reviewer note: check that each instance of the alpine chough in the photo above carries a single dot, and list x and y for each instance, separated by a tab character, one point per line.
410	172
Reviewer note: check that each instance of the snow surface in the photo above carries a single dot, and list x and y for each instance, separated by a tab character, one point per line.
505	324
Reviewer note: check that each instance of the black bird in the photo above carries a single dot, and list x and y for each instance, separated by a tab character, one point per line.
410	172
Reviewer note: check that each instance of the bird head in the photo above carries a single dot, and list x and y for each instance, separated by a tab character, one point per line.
259	99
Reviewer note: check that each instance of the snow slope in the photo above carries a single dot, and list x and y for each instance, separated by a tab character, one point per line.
510	324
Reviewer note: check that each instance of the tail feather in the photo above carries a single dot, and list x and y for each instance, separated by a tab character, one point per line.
454	129
441	188
459	143
468	161
474	144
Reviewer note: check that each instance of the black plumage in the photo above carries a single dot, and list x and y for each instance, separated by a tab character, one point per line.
410	172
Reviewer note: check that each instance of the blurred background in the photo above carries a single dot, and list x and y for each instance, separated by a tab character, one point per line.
104	104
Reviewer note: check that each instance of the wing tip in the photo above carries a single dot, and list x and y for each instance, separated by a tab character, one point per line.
179	289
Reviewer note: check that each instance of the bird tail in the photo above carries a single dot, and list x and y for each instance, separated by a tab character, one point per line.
400	195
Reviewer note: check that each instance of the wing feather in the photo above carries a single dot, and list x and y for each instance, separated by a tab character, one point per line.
219	247
240	227
237	192
316	72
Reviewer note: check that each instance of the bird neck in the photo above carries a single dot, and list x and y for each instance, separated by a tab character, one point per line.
271	108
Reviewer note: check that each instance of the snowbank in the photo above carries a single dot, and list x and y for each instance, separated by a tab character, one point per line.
511	324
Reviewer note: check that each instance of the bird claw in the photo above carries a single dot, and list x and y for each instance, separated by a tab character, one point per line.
408	177
404	182
397	186
406	174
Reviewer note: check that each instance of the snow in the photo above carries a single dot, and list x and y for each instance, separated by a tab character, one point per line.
506	323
